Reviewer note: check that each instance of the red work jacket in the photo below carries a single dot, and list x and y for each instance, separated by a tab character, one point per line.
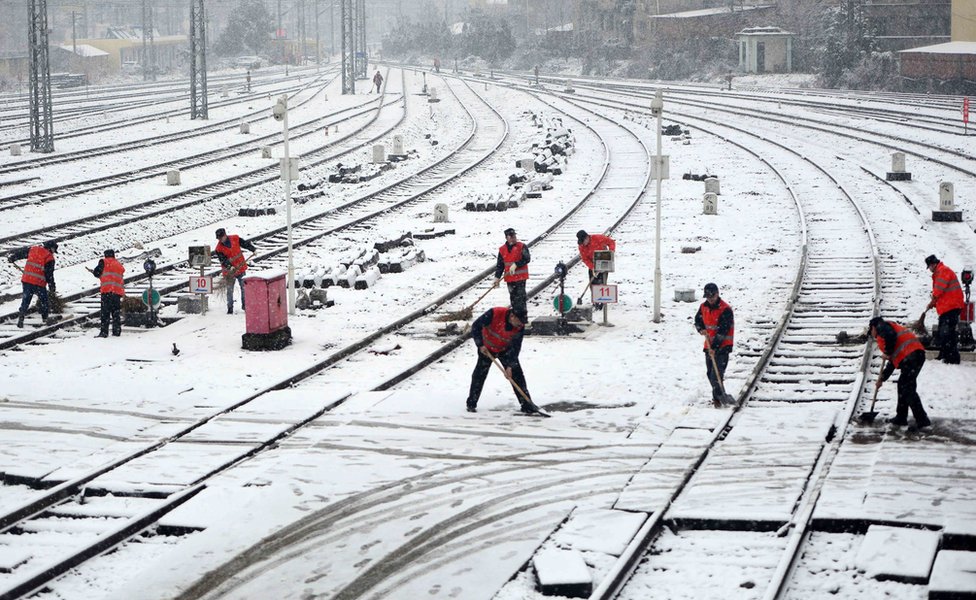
37	257
495	336
112	277
597	242
946	290
234	254
906	344
513	256
710	317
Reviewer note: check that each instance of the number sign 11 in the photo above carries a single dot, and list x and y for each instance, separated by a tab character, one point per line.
604	294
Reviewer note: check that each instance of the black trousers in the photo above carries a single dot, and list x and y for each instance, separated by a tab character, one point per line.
481	372
28	295
908	389
949	336
516	295
722	360
111	309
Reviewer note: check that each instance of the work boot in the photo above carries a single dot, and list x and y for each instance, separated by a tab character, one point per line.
923	423
230	310
898	421
529	408
102	334
472	408
20	322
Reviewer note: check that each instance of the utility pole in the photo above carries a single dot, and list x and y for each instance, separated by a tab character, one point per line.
41	113
148	43
74	33
348	47
198	61
361	61
318	43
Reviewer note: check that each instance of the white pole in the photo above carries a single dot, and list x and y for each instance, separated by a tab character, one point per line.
287	182
657	107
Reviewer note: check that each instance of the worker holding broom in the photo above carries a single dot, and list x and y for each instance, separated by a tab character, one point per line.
948	302
588	244
716	322
111	274
38	276
902	350
230	252
513	264
497	334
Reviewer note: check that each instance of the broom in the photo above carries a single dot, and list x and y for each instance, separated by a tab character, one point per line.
466	312
918	327
55	303
224	280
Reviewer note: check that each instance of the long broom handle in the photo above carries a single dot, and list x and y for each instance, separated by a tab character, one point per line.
718	375
510	380
874	398
482	297
588	286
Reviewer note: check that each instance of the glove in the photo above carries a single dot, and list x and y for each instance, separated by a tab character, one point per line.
485	351
511	269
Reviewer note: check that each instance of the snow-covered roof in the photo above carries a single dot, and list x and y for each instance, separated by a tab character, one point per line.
708	12
947	48
84	50
752	31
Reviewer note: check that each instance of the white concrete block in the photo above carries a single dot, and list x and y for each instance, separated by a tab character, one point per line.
173	177
897	553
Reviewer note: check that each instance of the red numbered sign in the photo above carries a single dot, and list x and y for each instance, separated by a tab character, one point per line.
604	294
201	285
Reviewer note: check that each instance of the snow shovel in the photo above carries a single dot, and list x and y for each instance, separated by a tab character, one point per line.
866	418
525	397
726	397
588	286
467	312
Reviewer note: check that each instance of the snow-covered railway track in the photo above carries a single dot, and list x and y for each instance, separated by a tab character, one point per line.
180	95
44	160
199	195
299	130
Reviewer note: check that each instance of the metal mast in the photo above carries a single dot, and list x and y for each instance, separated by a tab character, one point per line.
348	47
361	66
198	61
41	117
148	42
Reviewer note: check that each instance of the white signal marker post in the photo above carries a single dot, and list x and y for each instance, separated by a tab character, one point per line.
659	170
280	112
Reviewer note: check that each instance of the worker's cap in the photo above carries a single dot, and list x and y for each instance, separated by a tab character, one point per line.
875	322
221	233
51	245
930	260
711	290
522	314
509	231
580	236
109	254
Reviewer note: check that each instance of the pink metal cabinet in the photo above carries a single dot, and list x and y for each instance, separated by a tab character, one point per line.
267	303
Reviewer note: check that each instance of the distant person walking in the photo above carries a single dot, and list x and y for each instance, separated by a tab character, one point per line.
111	274
38	275
512	263
902	350
497	334
230	252
716	322
378	81
948	302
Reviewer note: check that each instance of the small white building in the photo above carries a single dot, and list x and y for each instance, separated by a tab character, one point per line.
765	50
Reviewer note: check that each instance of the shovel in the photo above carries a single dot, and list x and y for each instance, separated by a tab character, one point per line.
467	312
866	418
588	286
726	397
525	397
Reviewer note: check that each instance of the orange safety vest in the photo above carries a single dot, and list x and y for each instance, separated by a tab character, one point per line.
946	290
37	257
513	256
597	242
112	277
906	344
495	336
710	318
234	255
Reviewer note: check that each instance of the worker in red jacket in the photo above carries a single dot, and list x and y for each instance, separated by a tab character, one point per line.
111	274
948	302
902	350
716	322
230	252
512	263
38	275
590	243
498	334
